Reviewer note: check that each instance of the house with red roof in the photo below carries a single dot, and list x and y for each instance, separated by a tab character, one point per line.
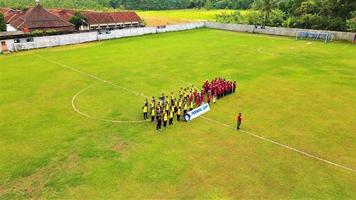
35	18
39	18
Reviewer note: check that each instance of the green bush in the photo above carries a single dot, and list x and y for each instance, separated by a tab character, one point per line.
51	32
336	24
36	33
289	22
77	20
351	24
2	23
225	17
254	17
276	18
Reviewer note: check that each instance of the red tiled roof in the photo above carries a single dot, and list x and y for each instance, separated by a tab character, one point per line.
126	17
11	15
63	13
39	18
4	10
110	17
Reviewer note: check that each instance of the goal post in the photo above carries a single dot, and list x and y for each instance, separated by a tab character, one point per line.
326	37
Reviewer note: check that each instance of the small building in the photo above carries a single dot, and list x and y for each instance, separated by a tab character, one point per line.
110	20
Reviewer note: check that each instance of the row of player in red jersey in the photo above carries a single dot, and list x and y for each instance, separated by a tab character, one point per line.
219	87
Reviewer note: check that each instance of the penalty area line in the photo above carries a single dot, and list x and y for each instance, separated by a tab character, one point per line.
283	145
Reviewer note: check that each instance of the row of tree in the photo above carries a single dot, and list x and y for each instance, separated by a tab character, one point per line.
339	15
133	4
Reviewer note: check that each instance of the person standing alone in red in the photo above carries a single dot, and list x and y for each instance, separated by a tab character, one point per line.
239	121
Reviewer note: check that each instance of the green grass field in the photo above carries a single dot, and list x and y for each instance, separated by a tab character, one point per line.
159	17
298	93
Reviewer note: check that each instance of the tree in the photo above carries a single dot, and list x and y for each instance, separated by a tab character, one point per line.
208	4
276	18
77	20
2	23
351	24
266	6
114	3
254	17
307	7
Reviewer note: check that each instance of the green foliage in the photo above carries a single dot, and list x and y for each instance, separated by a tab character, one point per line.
2	23
37	33
134	4
208	4
114	3
225	17
289	22
266	7
254	17
276	18
77	20
52	32
309	14
351	24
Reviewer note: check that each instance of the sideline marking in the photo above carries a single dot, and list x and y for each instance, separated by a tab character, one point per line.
217	122
92	76
102	81
283	145
96	118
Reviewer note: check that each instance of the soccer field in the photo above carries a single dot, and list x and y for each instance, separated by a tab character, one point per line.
297	97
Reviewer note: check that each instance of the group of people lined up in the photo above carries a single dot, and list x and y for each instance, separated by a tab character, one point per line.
165	108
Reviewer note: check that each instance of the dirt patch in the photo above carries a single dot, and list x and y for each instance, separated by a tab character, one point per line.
32	186
157	21
119	147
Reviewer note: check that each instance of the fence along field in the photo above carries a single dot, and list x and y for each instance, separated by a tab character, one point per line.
51	41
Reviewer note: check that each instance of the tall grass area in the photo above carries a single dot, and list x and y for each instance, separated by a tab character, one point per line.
178	16
186	14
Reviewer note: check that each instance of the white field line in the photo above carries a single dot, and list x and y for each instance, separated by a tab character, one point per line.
283	145
96	118
102	81
346	46
217	122
92	76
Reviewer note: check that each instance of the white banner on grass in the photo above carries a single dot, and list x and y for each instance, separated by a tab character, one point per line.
197	112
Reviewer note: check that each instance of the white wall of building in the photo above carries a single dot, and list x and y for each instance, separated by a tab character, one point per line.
10	28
